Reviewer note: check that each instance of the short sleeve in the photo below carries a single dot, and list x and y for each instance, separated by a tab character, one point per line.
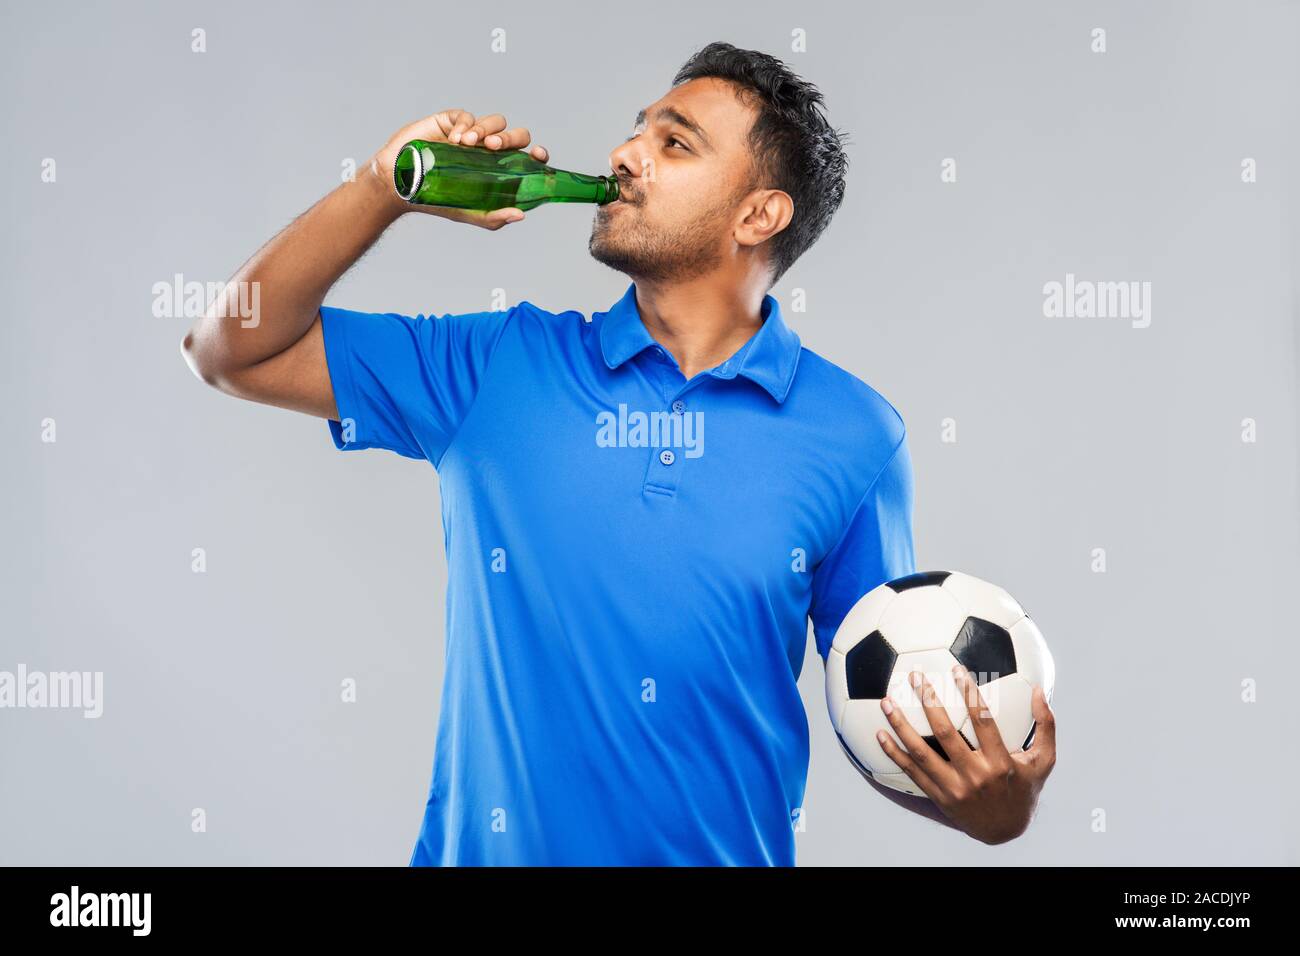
876	547
405	383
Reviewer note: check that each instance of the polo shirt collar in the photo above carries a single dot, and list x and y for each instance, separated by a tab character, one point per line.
768	358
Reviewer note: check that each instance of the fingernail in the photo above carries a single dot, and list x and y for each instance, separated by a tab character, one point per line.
915	678
886	706
881	737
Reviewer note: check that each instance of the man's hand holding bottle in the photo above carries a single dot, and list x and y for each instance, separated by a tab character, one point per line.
461	128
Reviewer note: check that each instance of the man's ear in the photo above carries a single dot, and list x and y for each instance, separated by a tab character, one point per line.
766	213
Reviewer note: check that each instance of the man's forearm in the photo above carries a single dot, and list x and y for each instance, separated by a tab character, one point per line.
293	272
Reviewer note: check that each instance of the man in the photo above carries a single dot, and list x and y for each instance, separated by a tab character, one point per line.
628	591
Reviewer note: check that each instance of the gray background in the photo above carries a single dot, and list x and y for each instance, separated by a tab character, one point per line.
222	689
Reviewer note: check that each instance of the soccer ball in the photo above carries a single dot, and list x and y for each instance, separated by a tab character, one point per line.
928	622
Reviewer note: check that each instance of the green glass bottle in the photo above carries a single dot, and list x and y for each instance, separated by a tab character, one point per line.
473	177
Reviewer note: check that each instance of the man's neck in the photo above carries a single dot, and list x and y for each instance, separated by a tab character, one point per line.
701	322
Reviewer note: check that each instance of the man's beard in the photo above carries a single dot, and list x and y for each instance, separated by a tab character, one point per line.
684	251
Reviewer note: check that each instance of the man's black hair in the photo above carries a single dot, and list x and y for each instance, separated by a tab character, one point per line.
794	148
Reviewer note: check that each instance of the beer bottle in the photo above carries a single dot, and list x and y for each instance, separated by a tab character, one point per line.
473	177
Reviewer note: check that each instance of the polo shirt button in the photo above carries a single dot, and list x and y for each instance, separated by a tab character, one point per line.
667	457
679	406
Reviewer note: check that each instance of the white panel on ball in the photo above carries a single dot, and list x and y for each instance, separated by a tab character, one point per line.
983	600
1009	700
920	619
937	667
1033	660
863	618
860	721
836	683
899	781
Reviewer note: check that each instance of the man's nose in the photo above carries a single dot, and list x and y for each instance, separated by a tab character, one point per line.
626	160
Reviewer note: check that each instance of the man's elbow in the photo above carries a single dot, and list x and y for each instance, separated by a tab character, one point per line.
207	367
196	358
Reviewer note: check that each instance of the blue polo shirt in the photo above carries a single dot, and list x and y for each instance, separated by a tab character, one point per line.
633	560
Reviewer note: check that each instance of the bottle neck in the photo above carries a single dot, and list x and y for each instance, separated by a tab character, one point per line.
579	187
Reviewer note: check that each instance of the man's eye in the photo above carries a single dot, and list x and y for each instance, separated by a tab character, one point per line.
674	139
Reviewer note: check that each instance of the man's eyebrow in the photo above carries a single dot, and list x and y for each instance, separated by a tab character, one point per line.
678	117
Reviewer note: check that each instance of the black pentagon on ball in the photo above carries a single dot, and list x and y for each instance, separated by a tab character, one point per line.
937	747
867	667
984	649
919	580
